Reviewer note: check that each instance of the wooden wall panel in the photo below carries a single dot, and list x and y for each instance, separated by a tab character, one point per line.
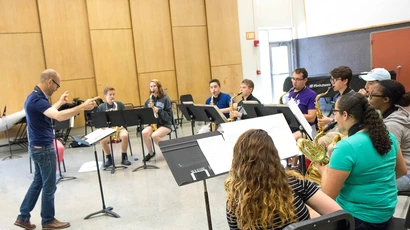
83	89
18	16
192	61
167	80
21	64
152	35
66	38
114	61
230	77
108	14
187	12
223	32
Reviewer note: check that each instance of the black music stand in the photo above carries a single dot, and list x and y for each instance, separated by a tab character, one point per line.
61	125
140	117
89	140
101	121
210	113
8	137
188	164
191	114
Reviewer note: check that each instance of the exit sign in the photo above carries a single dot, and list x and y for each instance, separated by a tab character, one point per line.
250	35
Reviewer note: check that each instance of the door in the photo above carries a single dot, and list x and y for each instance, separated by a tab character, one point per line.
281	66
391	50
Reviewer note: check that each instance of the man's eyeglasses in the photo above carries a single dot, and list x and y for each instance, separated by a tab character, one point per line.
371	95
334	111
58	86
297	79
333	80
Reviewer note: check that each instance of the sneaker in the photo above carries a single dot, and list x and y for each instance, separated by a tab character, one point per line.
125	161
108	163
149	156
56	224
25	224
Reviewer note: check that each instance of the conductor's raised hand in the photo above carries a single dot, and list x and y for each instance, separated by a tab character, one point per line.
89	103
64	98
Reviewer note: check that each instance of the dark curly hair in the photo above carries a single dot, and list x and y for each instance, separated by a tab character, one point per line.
357	106
396	92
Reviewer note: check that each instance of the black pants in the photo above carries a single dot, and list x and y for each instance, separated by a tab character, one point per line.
362	225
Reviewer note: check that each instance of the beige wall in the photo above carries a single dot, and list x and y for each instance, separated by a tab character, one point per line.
119	43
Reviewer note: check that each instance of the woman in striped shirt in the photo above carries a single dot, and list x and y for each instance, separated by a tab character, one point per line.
261	194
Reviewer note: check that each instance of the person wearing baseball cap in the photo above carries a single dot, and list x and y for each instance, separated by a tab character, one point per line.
372	77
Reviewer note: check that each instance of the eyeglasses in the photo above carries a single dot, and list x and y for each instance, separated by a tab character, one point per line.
297	79
58	86
334	111
333	80
374	95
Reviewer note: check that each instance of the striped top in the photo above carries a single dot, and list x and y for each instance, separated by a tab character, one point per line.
303	190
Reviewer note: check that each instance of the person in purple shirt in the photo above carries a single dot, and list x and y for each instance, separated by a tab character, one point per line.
305	99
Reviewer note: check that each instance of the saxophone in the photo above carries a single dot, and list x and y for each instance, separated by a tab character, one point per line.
281	96
151	105
231	107
319	113
212	126
116	137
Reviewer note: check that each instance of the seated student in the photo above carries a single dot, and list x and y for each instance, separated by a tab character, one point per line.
372	77
111	105
391	98
361	175
162	107
247	87
221	100
261	194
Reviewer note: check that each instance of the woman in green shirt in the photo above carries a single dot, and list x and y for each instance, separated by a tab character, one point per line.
362	171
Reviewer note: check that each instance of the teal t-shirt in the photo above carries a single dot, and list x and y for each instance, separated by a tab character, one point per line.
369	192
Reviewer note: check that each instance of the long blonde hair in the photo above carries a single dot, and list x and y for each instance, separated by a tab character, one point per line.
257	187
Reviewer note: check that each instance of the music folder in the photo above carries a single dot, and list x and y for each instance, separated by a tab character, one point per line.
95	136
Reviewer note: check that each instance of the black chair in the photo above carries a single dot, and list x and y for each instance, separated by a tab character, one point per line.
173	129
399	223
339	220
88	120
182	99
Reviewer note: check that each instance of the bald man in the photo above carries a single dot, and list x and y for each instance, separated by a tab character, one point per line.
39	113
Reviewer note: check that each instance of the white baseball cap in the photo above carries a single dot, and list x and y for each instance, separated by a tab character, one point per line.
377	74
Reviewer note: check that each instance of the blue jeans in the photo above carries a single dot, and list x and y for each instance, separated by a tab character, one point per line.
403	183
44	159
362	225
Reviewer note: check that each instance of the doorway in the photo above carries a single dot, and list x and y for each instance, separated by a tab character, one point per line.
281	66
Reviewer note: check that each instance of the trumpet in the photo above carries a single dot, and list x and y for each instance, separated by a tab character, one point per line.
231	107
151	105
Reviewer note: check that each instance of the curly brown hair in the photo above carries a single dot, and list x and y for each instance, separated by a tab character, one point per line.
357	106
257	187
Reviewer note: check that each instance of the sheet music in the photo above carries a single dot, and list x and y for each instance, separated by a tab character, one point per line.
216	153
97	135
299	115
275	125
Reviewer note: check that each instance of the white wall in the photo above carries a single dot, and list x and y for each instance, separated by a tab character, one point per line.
255	15
333	16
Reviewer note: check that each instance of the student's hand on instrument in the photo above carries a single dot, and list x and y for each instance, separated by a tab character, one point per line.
235	114
89	103
324	121
64	98
363	92
320	168
155	109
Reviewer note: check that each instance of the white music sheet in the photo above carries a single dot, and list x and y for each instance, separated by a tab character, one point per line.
275	125
216	153
97	135
299	116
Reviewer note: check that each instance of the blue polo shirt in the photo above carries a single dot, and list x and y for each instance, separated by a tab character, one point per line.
305	99
222	101
39	127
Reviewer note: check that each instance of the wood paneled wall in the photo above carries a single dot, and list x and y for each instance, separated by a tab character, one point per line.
120	43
